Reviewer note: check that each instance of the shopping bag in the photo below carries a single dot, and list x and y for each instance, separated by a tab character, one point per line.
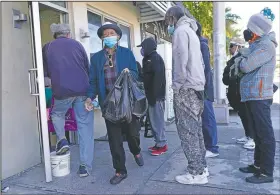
70	120
138	98
117	105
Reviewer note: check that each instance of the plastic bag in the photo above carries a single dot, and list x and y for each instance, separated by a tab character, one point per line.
127	98
138	97
117	106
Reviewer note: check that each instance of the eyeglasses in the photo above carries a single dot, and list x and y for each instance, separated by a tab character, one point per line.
231	45
110	60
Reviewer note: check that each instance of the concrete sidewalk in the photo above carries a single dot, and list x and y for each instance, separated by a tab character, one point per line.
157	175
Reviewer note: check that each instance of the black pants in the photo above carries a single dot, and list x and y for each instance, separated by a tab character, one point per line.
115	136
246	119
263	135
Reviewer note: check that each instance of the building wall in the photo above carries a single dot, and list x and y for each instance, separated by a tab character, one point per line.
124	11
20	148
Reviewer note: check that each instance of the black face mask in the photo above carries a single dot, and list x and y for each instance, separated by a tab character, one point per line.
248	35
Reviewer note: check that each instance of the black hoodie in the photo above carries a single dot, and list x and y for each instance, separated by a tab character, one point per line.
153	72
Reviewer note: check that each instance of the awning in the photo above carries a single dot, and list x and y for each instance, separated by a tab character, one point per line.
152	11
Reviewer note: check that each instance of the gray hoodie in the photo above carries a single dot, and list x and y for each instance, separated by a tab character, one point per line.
188	65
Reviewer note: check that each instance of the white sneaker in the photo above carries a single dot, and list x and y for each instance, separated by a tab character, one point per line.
210	154
192	179
250	144
242	140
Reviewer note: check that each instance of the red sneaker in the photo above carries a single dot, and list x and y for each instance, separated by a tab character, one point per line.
153	148
159	151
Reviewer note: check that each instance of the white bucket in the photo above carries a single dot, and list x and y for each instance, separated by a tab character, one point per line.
60	164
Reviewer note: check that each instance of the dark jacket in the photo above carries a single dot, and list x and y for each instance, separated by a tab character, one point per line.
125	59
153	72
209	87
67	65
226	79
233	83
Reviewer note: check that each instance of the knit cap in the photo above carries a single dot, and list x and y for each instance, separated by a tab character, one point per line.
261	23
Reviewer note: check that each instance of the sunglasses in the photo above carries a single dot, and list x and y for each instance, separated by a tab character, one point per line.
110	60
231	45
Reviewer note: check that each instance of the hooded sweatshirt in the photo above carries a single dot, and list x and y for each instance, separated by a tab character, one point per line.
209	87
188	65
259	66
153	72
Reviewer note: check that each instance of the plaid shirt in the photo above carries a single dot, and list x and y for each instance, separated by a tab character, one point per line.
110	73
258	67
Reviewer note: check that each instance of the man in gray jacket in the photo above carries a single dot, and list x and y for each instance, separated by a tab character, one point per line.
188	82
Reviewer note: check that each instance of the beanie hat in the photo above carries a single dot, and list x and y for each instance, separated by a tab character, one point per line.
261	23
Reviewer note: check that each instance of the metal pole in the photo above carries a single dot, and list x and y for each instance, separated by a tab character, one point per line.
219	50
42	100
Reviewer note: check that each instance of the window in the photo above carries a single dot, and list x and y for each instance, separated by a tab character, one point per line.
108	20
125	40
95	21
60	3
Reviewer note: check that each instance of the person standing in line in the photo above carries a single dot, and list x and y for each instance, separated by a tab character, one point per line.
209	125
155	84
188	81
233	95
66	64
256	89
106	66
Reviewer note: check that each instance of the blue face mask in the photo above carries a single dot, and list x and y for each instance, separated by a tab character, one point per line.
142	52
170	29
110	41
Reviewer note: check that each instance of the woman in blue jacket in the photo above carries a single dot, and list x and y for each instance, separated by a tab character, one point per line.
256	90
106	66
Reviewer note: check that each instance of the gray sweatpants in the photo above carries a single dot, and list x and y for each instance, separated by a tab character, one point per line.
156	114
188	109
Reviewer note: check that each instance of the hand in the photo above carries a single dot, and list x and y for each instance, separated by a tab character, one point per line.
126	70
88	105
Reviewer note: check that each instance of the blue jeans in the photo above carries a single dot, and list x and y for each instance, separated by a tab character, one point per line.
263	135
209	127
84	123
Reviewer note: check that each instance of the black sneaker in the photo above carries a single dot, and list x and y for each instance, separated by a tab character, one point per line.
259	179
62	147
250	169
139	159
118	177
83	171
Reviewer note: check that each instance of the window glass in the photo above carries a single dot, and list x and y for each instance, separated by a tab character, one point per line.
108	20
94	22
60	3
125	40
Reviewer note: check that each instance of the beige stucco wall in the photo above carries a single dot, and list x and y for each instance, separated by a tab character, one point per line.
20	147
124	11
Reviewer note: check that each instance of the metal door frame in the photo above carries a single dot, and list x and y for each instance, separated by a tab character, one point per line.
40	86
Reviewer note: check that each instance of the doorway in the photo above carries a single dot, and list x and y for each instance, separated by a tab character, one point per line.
42	14
49	14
